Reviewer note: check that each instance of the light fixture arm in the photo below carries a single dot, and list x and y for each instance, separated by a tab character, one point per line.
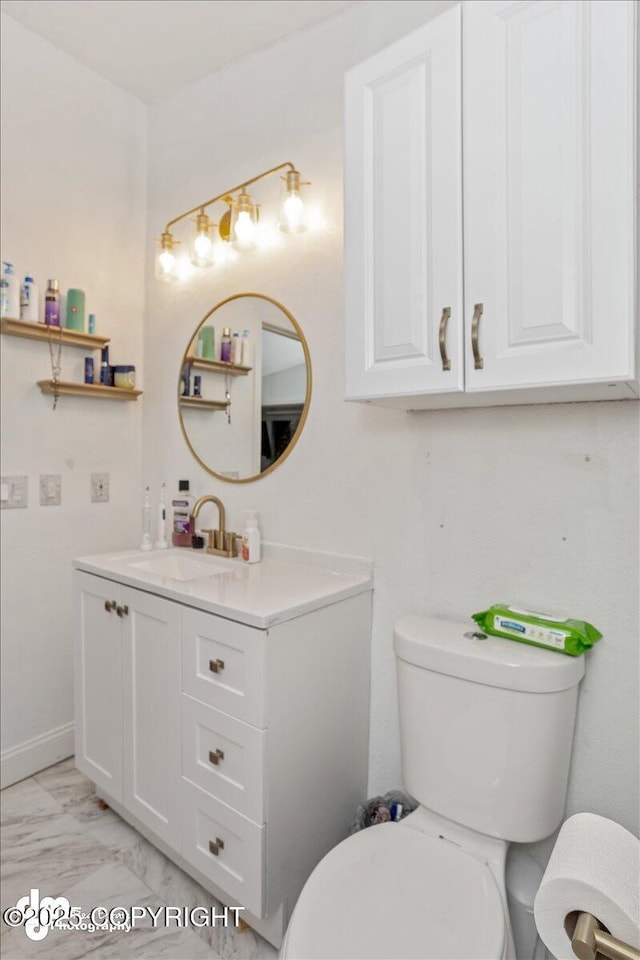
200	207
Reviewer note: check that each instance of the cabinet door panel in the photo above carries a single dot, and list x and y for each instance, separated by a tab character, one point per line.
403	217
548	190
224	756
151	679
98	687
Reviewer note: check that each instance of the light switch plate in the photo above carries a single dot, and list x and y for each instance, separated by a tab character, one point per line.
50	489
99	488
15	492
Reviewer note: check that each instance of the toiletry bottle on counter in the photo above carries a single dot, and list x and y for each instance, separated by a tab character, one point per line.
225	346
181	506
52	304
29	297
251	538
9	292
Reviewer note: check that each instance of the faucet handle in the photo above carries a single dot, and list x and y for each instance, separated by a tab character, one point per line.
212	534
230	544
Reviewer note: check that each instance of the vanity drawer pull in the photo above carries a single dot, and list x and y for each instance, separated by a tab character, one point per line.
216	756
216	665
215	848
110	605
123	611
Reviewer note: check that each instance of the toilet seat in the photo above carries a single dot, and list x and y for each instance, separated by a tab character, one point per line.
391	891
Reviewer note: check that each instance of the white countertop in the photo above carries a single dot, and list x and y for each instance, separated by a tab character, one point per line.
286	583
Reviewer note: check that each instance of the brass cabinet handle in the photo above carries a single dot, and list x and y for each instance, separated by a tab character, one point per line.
215	756
216	666
123	611
442	338
478	362
215	848
110	605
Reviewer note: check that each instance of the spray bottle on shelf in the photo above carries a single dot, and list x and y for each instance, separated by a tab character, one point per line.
182	506
161	542
29	300
146	522
251	538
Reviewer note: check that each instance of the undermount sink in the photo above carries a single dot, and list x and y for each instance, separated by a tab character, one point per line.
174	566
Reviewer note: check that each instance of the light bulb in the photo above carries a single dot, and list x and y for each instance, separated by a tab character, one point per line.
167	261
202	245
293	210
245	229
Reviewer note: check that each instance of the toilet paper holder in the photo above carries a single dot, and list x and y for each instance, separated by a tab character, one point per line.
588	939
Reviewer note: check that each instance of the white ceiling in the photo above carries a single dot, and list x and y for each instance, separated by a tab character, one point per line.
154	47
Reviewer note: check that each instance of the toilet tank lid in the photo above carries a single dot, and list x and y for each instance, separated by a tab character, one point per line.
451	648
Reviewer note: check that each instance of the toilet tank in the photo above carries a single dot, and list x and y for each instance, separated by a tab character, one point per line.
486	727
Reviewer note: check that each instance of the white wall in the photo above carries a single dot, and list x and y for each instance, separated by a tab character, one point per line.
459	509
73	205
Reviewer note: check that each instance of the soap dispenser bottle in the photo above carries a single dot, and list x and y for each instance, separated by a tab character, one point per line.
251	538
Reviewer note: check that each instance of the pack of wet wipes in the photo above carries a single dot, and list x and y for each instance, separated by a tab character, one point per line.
565	635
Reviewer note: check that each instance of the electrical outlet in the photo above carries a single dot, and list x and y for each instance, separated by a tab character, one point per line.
99	488
14	492
50	489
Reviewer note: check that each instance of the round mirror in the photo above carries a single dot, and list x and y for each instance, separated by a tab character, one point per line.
244	388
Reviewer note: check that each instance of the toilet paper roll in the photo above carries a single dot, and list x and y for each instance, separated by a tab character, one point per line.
595	868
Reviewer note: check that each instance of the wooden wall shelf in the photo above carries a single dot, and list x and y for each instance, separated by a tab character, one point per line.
203	404
217	366
97	390
40	331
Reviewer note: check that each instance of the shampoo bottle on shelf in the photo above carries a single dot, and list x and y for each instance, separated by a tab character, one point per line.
245	349
52	304
181	506
251	538
9	292
225	346
29	300
235	347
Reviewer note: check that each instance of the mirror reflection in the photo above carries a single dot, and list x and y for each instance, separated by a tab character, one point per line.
244	387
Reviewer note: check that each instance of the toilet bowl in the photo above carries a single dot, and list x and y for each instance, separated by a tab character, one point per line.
486	729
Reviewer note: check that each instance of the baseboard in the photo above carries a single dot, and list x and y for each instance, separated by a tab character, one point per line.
18	763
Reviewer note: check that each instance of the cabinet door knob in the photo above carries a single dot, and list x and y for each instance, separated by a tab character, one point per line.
110	605
215	848
442	338
122	611
215	756
216	666
478	362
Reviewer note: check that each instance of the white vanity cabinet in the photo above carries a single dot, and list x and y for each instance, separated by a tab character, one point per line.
241	751
536	209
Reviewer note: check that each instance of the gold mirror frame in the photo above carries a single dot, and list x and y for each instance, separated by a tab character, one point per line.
307	398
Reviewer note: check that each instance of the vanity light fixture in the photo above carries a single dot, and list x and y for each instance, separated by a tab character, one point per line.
238	226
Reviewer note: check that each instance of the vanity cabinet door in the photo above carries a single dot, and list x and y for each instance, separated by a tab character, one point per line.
548	119
152	741
98	685
403	216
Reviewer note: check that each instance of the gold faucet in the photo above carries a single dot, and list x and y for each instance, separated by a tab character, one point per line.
221	542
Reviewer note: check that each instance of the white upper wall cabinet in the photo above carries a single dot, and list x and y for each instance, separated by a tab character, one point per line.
403	246
547	113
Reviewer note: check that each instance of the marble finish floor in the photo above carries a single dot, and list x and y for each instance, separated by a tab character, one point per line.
55	838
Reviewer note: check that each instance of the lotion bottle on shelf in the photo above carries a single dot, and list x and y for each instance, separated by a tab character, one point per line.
29	300
251	538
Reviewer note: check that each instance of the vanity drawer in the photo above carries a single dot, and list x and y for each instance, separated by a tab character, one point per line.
223	665
224	756
225	846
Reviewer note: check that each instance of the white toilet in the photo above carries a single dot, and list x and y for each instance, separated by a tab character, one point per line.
486	727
